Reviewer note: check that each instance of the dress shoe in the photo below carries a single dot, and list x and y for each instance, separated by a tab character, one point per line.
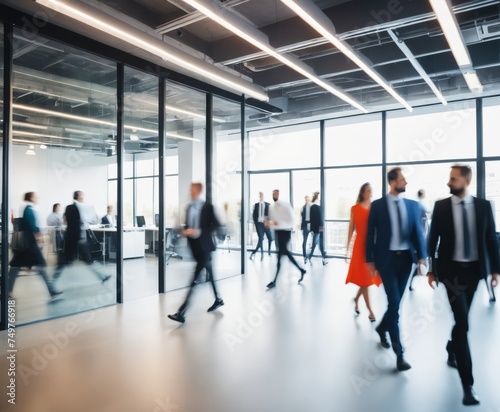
401	364
271	285
470	397
106	278
383	339
217	304
325	262
177	317
372	319
305	261
251	256
302	273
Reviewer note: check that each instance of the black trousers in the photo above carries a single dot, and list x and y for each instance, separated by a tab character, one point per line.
261	231
395	278
203	260
282	240
461	284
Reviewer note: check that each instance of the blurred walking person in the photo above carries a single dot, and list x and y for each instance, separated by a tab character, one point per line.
317	228
260	216
201	222
281	218
27	252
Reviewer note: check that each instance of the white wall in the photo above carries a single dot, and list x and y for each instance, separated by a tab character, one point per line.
54	174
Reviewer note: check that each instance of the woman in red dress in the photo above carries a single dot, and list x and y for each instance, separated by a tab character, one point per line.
358	270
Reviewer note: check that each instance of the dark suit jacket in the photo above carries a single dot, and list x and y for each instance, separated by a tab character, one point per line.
208	224
73	231
255	213
379	233
442	238
316	218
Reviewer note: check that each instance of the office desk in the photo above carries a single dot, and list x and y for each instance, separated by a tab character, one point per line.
134	241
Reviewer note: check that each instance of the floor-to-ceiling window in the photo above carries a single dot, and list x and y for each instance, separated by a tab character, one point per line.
428	141
353	156
287	159
491	152
64	135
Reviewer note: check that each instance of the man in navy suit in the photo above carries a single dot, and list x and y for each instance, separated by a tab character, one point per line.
201	222
463	234
394	242
260	216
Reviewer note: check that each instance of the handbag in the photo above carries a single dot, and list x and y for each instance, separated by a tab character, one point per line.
20	241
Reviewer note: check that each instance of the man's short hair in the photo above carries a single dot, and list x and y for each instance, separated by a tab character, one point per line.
198	185
276	191
393	174
76	193
420	193
465	170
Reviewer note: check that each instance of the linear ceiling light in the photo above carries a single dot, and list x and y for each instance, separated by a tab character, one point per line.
313	16
258	39
473	81
416	65
111	26
451	31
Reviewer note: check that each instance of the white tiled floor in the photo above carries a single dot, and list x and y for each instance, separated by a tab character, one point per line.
294	348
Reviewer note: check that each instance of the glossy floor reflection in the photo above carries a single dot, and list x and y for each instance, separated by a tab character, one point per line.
294	348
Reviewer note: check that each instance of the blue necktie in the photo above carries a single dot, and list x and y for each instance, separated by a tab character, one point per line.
465	224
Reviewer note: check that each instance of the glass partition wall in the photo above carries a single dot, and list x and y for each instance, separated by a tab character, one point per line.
141	185
63	141
2	218
185	113
226	186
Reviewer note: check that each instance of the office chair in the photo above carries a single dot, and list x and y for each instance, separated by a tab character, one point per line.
141	222
175	235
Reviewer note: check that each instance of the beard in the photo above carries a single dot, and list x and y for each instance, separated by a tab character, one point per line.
457	191
400	189
275	199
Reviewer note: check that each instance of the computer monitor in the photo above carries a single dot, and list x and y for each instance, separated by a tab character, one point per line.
141	221
157	220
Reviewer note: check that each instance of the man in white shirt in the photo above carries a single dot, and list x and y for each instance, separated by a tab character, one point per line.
281	218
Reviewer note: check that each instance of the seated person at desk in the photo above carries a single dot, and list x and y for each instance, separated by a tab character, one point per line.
109	219
55	218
